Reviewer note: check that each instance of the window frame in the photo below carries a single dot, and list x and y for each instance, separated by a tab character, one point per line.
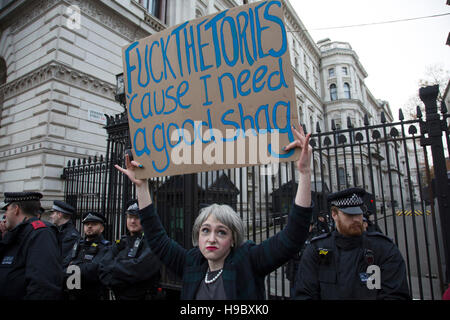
344	71
331	72
333	92
347	91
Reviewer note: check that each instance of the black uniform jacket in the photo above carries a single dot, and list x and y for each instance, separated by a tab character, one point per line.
68	235
30	263
87	255
130	268
335	267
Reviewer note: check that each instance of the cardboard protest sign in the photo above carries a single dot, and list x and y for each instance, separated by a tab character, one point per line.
212	93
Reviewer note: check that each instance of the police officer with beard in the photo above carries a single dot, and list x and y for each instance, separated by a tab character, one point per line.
30	259
130	269
336	265
86	254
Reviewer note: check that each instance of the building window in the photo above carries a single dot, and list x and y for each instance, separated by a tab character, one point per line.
331	72
347	94
154	7
344	71
333	92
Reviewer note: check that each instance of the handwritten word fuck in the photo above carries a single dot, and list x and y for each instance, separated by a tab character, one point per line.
244	49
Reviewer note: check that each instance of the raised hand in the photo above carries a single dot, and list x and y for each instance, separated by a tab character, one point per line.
302	142
142	191
130	171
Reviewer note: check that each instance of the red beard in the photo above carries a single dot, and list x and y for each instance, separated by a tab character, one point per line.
355	229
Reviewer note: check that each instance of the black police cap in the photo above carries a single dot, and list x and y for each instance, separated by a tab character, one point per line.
20	196
94	217
132	208
348	201
63	207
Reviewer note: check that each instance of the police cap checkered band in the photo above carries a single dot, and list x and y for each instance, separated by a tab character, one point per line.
351	197
353	201
21	196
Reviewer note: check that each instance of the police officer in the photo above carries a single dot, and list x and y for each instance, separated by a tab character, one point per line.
30	259
61	216
336	265
87	253
130	269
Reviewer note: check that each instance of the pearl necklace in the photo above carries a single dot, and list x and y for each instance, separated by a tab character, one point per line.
213	279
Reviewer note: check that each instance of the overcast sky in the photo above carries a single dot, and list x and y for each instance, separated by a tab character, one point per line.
395	55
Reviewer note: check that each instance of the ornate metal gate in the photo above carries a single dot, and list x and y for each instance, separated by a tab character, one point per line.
409	187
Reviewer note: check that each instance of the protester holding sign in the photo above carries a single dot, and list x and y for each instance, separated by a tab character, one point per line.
222	265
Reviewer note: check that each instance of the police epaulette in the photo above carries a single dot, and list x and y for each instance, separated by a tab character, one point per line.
378	234
322	236
38	224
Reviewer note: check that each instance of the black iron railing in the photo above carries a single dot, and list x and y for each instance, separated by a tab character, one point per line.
408	186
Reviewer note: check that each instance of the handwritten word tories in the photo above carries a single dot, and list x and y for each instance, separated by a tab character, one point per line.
209	84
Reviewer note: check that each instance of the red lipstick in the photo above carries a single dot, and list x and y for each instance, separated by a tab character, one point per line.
210	248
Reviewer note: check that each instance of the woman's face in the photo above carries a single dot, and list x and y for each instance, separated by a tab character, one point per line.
215	240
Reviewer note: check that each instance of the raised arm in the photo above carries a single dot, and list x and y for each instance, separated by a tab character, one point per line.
278	249
303	195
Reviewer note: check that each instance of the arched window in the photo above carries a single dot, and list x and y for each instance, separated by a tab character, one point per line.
347	94
333	92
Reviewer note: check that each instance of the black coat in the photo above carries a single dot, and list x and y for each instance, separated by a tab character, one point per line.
30	263
87	255
130	269
245	268
334	267
68	235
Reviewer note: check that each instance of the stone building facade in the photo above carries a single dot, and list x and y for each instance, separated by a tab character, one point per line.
59	59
